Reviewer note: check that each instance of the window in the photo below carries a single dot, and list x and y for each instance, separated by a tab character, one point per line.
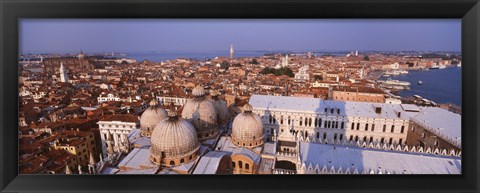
335	136
301	121
182	160
366	127
289	120
342	125
172	162
402	129
436	143
315	122
318	135
331	110
341	137
365	138
356	138
247	166
351	137
371	139
324	135
384	128
240	164
391	140
281	119
382	140
338	111
400	141
358	126
353	125
373	127
393	128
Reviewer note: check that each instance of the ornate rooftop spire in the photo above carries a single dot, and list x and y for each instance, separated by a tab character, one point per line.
247	108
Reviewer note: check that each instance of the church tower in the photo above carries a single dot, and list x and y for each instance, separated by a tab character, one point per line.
63	73
231	52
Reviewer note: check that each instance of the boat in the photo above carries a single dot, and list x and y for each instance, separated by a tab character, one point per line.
420	82
394	84
459	64
441	67
435	67
397	82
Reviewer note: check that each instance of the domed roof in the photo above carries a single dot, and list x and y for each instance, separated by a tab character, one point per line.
174	138
151	117
198	91
201	113
247	128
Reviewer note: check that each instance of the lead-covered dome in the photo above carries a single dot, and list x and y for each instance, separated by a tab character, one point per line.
247	129
201	113
198	91
174	141
151	117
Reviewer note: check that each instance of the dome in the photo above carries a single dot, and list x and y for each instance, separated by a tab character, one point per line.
201	113
221	109
247	129
198	91
173	142
151	117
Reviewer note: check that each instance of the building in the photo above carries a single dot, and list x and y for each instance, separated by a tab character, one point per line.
117	128
63	73
231	52
358	93
302	75
107	97
168	100
318	119
78	143
436	128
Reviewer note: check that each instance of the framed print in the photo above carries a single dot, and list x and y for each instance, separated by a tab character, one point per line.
239	96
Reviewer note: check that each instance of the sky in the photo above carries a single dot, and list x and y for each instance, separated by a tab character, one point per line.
203	35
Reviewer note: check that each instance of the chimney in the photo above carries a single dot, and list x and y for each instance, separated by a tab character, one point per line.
378	110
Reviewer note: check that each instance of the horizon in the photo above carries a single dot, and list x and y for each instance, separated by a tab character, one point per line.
68	36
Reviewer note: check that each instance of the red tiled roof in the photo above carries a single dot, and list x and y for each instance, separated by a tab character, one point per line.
122	118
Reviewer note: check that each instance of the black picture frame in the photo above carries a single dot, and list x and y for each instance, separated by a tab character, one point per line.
467	10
